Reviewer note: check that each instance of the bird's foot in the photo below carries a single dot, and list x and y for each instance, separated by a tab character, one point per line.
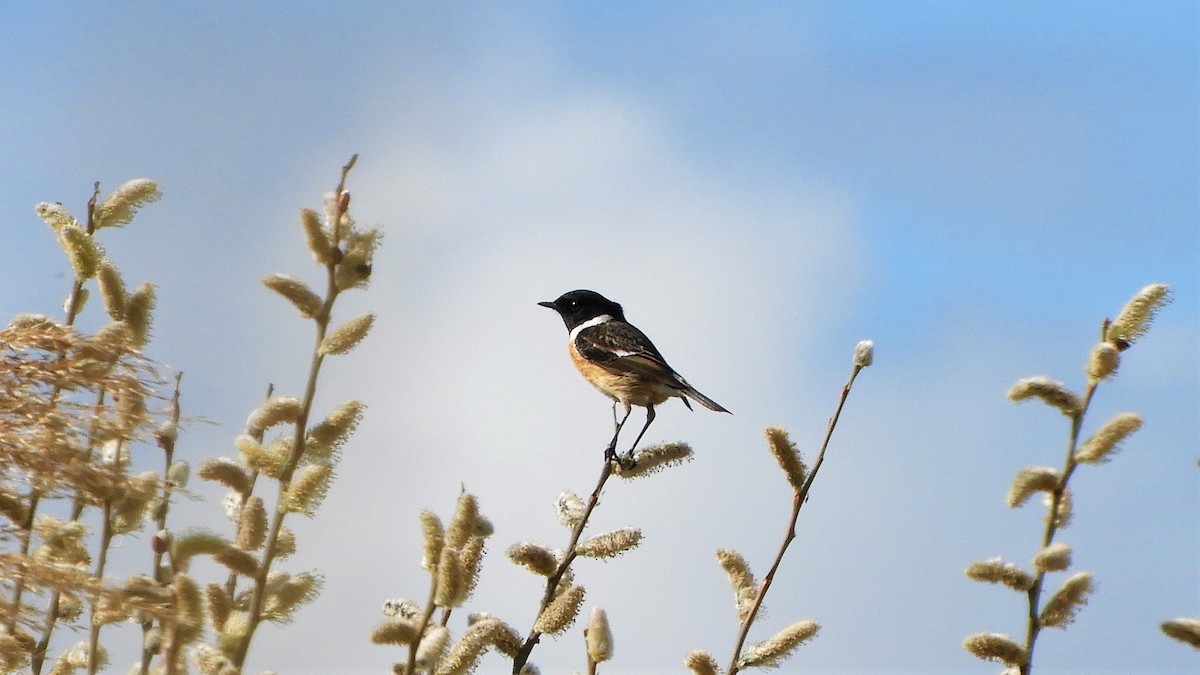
626	461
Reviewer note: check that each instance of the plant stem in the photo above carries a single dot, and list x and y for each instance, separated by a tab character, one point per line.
799	497
101	562
425	617
301	426
1033	625
168	447
568	557
26	530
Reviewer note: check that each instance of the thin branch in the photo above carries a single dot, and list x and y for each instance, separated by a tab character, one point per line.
26	530
1033	626
799	497
568	557
301	427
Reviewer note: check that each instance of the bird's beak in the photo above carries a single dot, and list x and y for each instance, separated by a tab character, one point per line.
548	303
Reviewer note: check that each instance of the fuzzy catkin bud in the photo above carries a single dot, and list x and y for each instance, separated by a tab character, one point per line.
167	433
55	215
178	474
1054	394
225	471
610	544
451	587
1054	558
233	632
139	308
463	522
324	438
286	592
108	340
112	290
701	662
745	589
354	270
275	410
561	612
79	656
598	636
997	571
466	652
773	652
1066	603
192	543
346	336
788	456
432	646
654	459
211	661
316	238
188	606
120	207
506	639
471	555
995	647
1104	443
395	632
81	250
1029	480
1103	361
864	354
286	544
70	607
218	604
237	560
269	459
401	608
1135	318
308	488
297	292
432	531
570	509
1184	629
252	524
534	557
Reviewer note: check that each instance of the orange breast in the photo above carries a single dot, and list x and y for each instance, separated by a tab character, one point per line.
629	388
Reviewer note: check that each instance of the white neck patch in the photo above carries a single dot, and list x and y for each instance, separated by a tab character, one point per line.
603	318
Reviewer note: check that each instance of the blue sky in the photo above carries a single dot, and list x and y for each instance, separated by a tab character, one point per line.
972	185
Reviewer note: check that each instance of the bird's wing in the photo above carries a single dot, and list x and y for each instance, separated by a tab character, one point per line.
622	349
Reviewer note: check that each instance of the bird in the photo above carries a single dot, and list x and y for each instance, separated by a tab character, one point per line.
620	361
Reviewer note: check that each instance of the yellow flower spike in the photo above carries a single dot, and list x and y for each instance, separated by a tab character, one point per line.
347	336
1103	444
561	612
122	205
1052	393
82	251
995	647
296	292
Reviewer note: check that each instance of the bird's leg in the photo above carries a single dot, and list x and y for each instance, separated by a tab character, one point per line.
610	453
649	418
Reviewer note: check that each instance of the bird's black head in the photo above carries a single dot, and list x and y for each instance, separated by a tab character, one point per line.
575	307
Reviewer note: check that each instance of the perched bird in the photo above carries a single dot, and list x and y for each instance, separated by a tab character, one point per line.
619	360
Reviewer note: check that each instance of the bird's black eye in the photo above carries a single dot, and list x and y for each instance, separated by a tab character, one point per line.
572	304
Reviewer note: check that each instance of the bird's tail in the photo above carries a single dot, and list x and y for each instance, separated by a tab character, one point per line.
703	400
